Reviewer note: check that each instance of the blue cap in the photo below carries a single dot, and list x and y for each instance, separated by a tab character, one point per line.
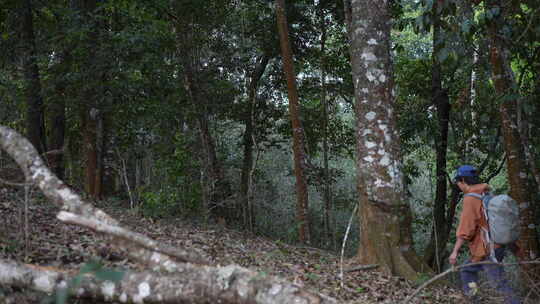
466	170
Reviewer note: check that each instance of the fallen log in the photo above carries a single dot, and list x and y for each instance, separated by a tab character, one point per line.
172	275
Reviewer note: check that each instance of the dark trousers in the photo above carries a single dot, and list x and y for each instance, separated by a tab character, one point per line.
495	275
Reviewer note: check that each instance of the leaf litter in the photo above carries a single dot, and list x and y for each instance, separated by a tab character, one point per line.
52	243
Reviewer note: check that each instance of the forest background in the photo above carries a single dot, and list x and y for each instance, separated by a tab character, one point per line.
182	109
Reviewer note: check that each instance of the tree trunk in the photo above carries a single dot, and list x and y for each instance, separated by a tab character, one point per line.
215	187
249	118
505	86
35	125
166	274
298	132
89	125
434	253
101	133
90	111
327	187
57	126
384	217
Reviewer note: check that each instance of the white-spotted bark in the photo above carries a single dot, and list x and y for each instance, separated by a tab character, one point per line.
384	217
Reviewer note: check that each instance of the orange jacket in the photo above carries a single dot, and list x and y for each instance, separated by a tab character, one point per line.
471	222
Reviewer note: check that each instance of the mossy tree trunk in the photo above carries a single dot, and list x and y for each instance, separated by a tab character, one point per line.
385	218
506	88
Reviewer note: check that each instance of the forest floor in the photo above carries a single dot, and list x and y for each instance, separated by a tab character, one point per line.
50	242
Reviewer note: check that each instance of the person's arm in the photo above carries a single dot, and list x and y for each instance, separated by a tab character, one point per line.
453	256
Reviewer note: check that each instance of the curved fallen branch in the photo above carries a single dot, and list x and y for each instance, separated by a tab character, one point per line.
189	279
456	268
158	257
198	284
128	235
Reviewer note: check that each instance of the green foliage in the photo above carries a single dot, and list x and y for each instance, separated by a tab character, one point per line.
178	191
9	246
422	278
360	289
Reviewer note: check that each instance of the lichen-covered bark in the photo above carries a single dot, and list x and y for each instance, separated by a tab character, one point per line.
298	133
174	275
202	284
140	247
505	84
379	164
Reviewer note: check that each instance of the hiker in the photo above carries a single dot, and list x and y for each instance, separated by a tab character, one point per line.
473	228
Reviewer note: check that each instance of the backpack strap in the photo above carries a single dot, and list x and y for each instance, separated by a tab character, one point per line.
487	237
478	196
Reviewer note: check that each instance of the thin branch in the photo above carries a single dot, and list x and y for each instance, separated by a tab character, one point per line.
456	268
137	238
229	284
528	26
362	267
3	181
498	170
33	167
345	242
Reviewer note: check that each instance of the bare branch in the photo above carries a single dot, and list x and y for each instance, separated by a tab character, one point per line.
456	268
139	239
3	181
35	170
362	267
230	284
184	283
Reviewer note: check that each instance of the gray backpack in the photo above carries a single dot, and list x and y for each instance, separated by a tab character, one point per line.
502	214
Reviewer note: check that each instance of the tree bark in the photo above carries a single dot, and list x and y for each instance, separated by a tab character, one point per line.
57	126
230	284
216	187
90	111
385	230
434	252
302	201
327	187
505	85
171	275
35	124
89	125
249	120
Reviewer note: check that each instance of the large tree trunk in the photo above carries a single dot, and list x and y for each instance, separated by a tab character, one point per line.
35	125
505	85
297	130
249	119
434	253
384	217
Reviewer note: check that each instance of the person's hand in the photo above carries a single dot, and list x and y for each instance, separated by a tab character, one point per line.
453	258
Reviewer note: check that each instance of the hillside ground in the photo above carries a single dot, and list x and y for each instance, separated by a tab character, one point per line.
31	233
